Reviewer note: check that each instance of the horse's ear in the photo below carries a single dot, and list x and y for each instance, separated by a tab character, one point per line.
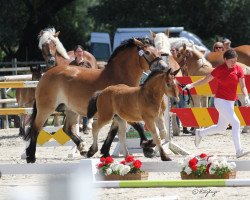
56	34
153	34
184	46
167	33
137	42
175	72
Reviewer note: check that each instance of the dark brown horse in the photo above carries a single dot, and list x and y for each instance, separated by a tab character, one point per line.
54	52
26	97
70	87
133	104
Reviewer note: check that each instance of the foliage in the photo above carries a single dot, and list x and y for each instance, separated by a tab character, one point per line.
204	164
109	166
22	20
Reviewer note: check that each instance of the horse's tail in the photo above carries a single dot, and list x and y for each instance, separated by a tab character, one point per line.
92	109
27	134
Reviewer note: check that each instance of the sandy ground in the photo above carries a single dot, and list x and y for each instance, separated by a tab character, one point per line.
13	186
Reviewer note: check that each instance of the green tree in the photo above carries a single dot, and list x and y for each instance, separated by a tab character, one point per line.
22	20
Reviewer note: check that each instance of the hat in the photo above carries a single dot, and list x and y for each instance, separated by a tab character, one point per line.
226	41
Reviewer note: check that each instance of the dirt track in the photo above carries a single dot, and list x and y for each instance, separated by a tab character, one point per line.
12	146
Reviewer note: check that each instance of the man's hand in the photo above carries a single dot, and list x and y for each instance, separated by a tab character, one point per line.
247	101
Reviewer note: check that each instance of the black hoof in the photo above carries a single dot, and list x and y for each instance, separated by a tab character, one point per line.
149	152
105	155
166	158
148	144
83	153
90	154
30	159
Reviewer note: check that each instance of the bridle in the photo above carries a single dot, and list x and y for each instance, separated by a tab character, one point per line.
150	62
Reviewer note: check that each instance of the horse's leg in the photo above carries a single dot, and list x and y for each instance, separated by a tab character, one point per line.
110	137
88	126
122	134
37	121
22	127
69	128
97	125
155	135
160	121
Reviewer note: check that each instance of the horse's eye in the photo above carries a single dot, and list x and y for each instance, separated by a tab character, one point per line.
147	52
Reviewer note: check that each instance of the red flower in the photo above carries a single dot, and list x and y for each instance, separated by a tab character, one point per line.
100	165
123	162
109	160
193	167
192	162
207	168
203	155
129	158
137	164
102	159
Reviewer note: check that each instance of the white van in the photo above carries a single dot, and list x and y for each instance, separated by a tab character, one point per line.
101	44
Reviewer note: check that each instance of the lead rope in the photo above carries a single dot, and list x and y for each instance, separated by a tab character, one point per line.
190	98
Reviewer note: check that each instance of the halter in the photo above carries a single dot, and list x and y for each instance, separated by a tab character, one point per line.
150	62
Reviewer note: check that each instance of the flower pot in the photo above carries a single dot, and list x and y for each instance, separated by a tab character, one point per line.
230	175
129	176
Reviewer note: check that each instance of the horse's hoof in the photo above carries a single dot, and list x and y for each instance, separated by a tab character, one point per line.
149	152
84	153
90	154
148	144
31	159
166	158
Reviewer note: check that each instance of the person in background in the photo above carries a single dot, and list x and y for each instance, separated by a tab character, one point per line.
228	75
226	44
79	61
218	46
183	98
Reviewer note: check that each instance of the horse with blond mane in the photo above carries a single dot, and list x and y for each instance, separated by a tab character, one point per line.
54	52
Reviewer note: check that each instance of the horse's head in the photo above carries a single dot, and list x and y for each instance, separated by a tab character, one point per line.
50	45
171	85
36	72
151	55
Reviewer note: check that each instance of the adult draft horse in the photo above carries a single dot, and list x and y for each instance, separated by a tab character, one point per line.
133	104
26	97
54	52
161	42
71	87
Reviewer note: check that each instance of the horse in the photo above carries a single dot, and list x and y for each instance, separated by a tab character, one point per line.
26	96
133	104
162	44
54	52
73	86
216	58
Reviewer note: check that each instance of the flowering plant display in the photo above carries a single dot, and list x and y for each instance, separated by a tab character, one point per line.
205	164
109	166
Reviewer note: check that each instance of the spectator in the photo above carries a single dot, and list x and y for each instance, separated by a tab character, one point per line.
218	46
226	44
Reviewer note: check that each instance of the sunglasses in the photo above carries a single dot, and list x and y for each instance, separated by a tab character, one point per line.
218	47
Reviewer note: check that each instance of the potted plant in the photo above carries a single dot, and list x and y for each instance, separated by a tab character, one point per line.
127	169
204	166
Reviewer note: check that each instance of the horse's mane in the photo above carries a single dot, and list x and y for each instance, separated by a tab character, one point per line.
48	34
151	75
162	43
128	44
178	42
202	61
